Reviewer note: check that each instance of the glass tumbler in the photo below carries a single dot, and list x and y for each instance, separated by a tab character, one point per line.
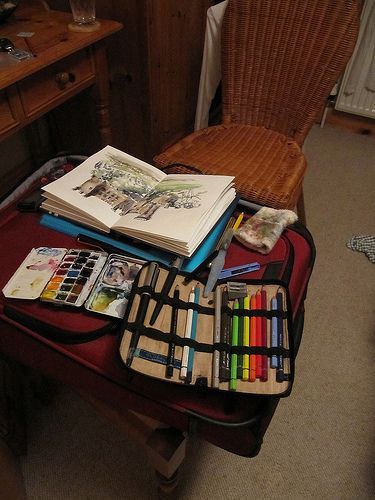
83	11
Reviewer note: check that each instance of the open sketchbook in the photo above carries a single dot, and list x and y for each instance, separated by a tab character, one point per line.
113	191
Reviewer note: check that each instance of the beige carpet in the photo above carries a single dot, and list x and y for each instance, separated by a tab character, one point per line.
321	442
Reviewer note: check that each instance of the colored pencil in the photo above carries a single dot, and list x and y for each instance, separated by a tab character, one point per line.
238	221
264	376
246	339
233	358
193	335
240	337
253	336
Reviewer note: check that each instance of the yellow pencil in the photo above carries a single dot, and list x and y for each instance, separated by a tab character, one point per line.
238	221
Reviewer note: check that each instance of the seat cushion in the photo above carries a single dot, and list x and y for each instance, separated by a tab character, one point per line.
268	167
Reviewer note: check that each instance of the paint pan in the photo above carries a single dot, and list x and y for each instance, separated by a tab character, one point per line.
112	289
74	278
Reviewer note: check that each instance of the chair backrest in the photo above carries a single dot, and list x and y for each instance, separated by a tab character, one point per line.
281	59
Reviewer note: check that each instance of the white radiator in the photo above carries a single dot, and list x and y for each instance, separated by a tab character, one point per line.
357	89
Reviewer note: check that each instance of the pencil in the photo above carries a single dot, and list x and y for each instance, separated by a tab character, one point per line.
173	330
188	324
280	338
225	337
246	339
150	281
238	221
240	338
233	358
193	335
166	287
229	225
273	332
264	376
217	332
253	336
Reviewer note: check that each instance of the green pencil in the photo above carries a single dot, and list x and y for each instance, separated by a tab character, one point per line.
233	358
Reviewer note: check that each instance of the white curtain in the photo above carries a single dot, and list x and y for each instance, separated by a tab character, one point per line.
211	64
363	59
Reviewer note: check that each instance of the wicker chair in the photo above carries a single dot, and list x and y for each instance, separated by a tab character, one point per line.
280	60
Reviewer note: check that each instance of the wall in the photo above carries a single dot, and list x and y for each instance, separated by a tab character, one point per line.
155	66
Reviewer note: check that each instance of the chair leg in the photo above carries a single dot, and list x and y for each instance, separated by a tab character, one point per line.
301	209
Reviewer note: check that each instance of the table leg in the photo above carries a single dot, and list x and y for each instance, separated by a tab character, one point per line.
165	446
167	485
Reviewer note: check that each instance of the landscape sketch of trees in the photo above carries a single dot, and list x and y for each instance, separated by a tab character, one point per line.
129	188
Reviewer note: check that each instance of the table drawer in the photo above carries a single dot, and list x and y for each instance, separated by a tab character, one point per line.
58	82
10	111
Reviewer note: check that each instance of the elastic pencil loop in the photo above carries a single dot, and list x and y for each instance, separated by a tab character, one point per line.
259	312
268	351
167	337
201	309
179	303
138	290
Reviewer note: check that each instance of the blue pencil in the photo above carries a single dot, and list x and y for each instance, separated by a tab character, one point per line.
193	336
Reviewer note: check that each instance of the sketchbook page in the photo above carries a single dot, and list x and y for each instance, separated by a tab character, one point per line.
64	213
106	185
183	248
54	204
178	206
204	229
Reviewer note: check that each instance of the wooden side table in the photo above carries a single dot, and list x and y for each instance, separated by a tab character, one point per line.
64	64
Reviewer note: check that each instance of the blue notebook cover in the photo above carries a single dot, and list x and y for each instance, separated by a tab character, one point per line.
139	249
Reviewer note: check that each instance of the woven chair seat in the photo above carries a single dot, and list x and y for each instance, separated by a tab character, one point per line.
279	62
268	167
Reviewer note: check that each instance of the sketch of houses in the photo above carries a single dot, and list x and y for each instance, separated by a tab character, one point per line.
101	189
129	189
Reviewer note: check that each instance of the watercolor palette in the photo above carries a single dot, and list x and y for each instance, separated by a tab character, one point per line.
112	289
34	273
73	279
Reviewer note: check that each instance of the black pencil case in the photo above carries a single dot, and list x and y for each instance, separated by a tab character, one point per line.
150	356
